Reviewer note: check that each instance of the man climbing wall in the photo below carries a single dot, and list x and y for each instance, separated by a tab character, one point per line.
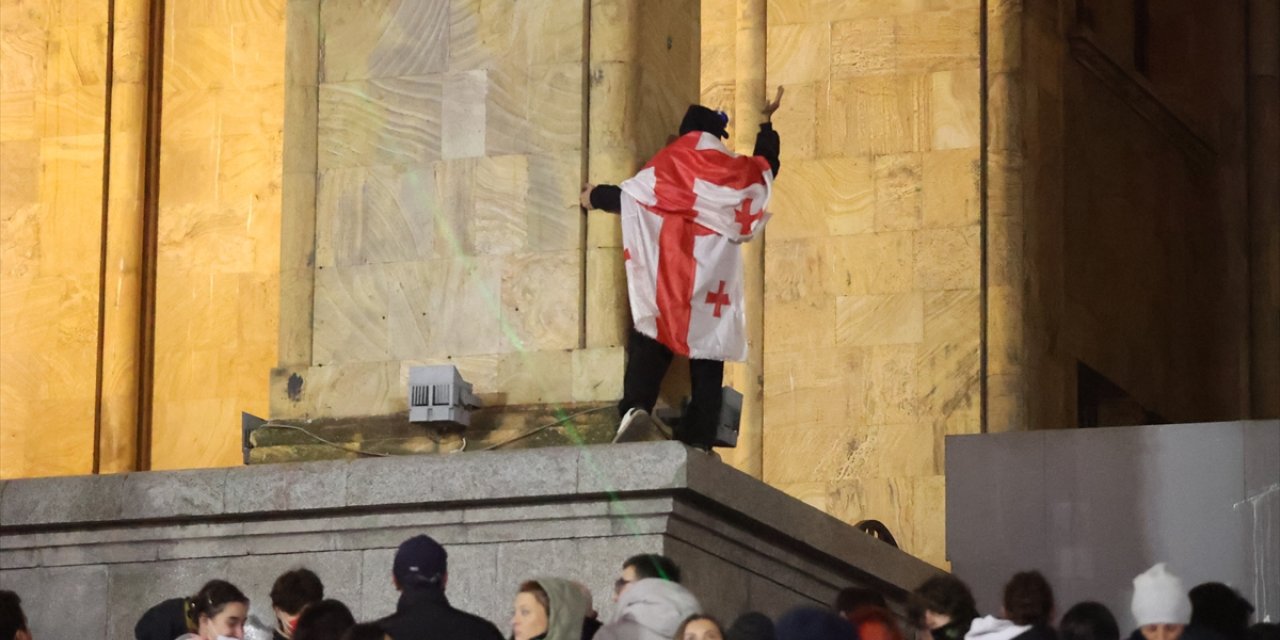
684	217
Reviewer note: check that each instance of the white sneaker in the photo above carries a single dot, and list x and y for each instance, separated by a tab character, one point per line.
638	426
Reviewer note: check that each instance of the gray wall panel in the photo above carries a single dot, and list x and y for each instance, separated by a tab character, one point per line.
1110	503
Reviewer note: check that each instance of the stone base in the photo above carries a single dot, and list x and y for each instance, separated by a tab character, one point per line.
508	427
116	544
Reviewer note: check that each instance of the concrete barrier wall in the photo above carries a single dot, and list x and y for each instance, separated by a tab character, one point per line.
89	554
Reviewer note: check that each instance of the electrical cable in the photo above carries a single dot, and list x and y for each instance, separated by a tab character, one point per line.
544	428
460	449
331	443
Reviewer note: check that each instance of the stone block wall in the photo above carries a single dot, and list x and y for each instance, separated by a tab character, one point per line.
218	256
872	277
72	230
52	117
1135	215
450	147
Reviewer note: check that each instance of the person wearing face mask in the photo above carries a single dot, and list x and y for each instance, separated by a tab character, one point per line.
549	609
290	593
218	612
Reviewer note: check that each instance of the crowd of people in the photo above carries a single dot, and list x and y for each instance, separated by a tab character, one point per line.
652	604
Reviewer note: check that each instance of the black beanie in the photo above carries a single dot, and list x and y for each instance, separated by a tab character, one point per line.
700	118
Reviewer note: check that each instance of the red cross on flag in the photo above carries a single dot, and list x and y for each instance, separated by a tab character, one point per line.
684	217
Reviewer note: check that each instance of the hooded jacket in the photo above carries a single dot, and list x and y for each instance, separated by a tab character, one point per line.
993	628
165	621
568	609
650	609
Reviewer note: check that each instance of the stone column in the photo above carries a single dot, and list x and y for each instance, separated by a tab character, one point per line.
1264	206
611	157
749	99
298	189
121	311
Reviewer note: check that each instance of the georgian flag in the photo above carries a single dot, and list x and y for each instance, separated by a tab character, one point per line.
684	217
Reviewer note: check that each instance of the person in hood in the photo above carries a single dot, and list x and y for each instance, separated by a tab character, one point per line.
218	612
1028	601
812	623
165	621
420	573
1160	605
549	609
943	606
650	609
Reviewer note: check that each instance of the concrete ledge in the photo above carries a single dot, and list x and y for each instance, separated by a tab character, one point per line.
504	516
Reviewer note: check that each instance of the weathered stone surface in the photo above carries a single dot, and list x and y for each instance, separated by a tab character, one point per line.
383	39
71	499
382	121
885	319
46	593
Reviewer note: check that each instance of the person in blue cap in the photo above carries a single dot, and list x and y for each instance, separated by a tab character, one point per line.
421	573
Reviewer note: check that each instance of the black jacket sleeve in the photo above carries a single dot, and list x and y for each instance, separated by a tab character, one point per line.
607	197
768	145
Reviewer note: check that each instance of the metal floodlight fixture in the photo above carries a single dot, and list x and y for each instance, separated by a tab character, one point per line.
730	417
437	393
726	426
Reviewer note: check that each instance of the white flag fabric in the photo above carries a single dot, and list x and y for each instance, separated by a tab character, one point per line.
684	217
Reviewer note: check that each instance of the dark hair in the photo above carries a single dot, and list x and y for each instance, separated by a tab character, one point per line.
751	625
534	589
1088	621
700	118
365	631
1216	606
324	620
652	565
212	598
1028	599
1264	631
851	598
296	589
694	618
812	623
945	594
12	620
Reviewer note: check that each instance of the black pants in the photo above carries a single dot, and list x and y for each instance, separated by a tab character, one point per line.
647	363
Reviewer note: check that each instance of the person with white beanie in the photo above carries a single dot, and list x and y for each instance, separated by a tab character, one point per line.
1160	604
